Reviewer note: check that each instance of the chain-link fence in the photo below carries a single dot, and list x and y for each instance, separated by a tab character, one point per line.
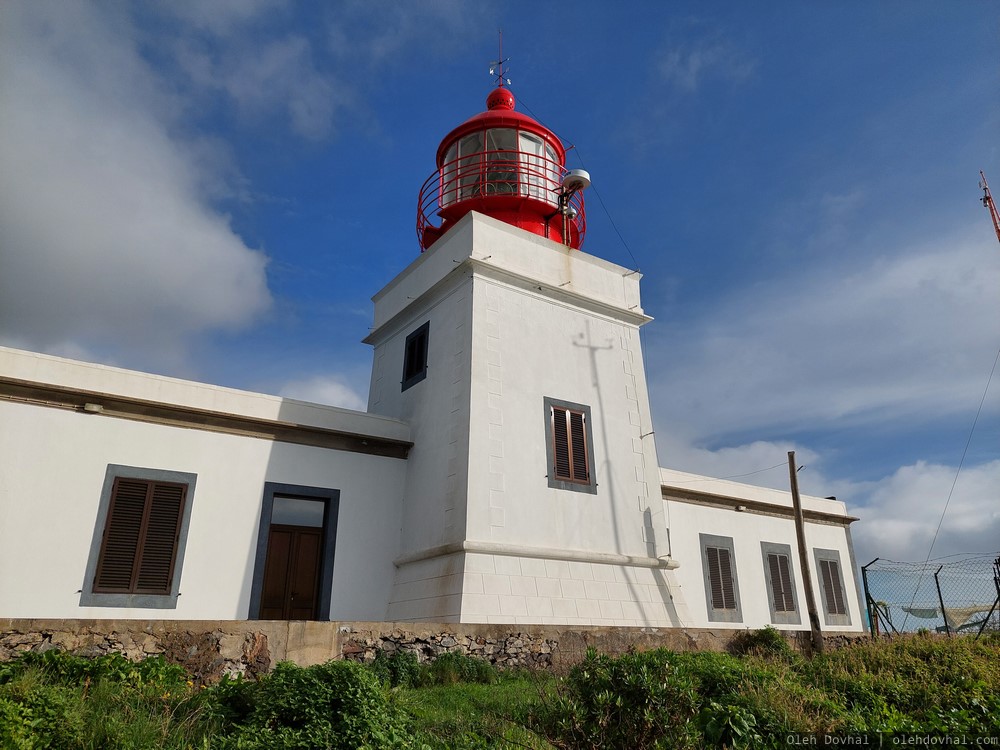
947	596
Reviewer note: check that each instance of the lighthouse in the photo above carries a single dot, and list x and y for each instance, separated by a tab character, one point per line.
505	471
532	490
504	164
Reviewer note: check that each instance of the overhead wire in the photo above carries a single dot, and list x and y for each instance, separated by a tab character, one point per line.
734	476
593	188
965	452
958	472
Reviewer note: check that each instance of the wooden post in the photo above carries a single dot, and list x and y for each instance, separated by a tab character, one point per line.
800	535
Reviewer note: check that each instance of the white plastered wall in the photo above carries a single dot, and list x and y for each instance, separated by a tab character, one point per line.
54	463
434	289
747	530
516	318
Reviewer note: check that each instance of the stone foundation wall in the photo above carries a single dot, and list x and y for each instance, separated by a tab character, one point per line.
209	649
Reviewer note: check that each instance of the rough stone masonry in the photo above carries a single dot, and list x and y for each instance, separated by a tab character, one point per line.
209	649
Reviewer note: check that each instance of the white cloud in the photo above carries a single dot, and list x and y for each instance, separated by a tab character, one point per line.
325	389
244	52
266	76
384	33
894	341
902	512
105	235
904	337
221	16
898	513
761	462
687	65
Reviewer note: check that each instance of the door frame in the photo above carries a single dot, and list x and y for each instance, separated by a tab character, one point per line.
331	499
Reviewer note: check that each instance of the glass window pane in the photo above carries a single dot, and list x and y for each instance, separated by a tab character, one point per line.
501	139
501	158
539	177
449	176
297	511
470	165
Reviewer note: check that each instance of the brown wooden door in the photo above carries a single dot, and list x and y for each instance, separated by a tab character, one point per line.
291	573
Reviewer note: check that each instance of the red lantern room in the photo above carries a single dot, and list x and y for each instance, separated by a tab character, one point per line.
506	165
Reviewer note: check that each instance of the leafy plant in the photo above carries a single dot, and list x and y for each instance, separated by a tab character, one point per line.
729	725
397	668
764	642
338	704
453	667
636	700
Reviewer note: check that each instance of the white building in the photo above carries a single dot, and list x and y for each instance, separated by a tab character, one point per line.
505	471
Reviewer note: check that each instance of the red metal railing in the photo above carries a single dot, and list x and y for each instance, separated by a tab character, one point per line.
531	182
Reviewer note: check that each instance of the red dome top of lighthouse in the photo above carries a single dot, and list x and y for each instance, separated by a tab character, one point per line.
500	98
504	164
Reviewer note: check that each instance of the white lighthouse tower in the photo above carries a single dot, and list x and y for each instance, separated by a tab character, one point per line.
532	492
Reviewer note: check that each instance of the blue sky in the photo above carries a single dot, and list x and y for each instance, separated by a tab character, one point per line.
216	190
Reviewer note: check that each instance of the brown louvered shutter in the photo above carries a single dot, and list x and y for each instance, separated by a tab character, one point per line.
560	444
140	538
781	583
831	585
720	578
728	590
116	564
156	561
578	440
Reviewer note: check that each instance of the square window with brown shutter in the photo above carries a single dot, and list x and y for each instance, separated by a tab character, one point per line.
781	583
138	548
779	574
722	591
833	594
569	446
720	576
140	538
832	591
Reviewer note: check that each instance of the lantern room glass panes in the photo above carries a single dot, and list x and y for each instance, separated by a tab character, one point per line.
539	169
449	176
470	150
500	161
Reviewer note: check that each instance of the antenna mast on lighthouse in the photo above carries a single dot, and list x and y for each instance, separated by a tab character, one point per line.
988	202
497	66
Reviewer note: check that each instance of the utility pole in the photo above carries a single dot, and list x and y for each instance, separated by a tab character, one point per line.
988	203
800	534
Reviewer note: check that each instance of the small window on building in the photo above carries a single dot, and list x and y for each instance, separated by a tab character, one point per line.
831	584
569	446
138	547
415	356
781	596
722	591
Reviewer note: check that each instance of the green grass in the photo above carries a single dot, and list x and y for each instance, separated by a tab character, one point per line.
471	716
657	699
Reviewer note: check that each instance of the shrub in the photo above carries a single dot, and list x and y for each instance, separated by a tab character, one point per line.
715	675
59	700
453	667
69	669
334	705
397	668
765	642
729	725
636	700
920	683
